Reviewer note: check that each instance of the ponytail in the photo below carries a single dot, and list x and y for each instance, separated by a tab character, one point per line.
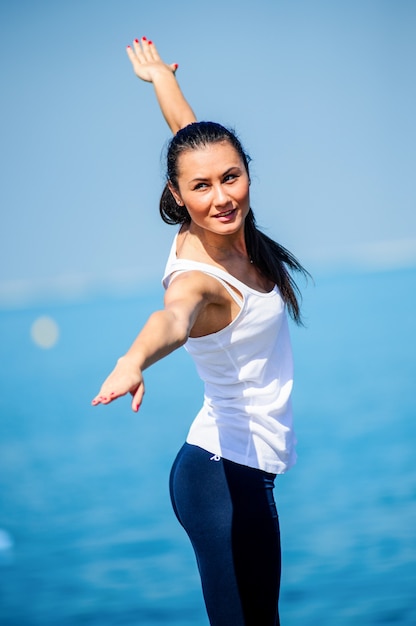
170	211
275	263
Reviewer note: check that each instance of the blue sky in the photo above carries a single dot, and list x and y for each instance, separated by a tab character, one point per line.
322	94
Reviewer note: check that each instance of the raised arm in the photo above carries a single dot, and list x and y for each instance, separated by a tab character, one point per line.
148	66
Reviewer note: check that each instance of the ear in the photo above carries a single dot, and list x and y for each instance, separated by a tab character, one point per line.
175	194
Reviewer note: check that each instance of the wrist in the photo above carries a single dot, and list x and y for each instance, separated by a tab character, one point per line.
131	361
162	73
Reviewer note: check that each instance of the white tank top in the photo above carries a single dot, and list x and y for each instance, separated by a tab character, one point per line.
247	370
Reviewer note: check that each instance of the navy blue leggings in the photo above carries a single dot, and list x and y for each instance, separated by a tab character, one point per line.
230	516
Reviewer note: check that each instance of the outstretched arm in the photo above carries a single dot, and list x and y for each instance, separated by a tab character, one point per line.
164	332
148	66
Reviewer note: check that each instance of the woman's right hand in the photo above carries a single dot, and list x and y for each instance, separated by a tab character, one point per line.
125	378
146	61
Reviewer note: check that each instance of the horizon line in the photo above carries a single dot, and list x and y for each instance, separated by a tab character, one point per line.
371	257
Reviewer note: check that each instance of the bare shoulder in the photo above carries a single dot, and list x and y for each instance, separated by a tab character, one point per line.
195	284
212	306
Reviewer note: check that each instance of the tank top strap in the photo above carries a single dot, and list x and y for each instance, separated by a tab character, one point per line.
237	299
227	280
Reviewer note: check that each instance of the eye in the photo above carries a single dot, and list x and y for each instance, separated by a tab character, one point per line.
230	177
200	186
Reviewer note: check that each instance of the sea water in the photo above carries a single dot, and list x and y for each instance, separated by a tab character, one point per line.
87	534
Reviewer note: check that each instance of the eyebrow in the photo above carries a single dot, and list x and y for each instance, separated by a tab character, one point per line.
202	179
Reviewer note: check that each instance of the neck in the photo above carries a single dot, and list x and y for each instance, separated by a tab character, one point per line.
220	248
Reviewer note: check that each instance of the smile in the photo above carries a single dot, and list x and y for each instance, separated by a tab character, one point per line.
225	213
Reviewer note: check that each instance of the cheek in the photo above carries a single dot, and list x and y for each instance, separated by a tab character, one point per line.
195	203
243	196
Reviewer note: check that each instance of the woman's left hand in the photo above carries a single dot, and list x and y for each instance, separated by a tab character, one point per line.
146	61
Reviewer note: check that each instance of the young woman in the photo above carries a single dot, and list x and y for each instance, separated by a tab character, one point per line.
228	290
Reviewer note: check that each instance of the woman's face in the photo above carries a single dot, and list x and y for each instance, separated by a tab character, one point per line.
214	185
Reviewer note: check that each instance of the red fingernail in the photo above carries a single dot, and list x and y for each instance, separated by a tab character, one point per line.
128	47
176	66
136	41
150	42
144	38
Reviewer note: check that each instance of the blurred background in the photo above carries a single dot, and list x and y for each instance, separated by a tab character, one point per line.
322	95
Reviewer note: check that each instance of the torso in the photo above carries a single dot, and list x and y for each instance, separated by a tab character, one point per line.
246	365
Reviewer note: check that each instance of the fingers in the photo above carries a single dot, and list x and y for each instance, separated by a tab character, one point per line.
145	59
139	49
104	398
125	378
136	57
145	50
138	398
152	51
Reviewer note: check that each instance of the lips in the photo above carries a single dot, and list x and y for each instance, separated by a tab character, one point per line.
225	213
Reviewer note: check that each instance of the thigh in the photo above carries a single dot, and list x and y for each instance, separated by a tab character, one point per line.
202	504
255	543
229	514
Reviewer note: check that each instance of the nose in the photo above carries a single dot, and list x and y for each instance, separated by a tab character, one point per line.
220	196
